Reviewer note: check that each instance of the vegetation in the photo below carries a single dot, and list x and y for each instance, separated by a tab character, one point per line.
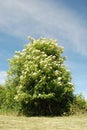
2	95
79	104
38	79
38	82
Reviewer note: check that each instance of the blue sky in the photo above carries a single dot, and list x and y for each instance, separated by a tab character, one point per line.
63	20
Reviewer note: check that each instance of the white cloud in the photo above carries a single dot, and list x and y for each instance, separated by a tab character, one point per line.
2	77
28	17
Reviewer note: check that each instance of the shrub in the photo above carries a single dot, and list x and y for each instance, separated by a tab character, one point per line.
39	81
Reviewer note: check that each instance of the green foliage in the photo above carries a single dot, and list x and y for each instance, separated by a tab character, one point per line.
38	81
2	95
80	101
5	101
79	104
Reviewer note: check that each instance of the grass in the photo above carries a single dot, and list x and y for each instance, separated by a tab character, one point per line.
8	122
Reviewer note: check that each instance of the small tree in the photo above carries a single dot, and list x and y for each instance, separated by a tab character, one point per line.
39	80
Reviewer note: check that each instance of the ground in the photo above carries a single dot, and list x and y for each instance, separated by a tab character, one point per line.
43	123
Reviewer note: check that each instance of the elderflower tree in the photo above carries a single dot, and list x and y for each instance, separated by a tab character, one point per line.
41	81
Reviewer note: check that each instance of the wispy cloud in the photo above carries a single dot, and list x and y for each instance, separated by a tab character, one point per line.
3	75
43	18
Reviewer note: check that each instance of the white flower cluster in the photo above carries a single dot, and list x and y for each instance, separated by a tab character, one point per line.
59	78
56	72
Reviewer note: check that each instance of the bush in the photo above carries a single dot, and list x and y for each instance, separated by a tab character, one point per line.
38	81
79	104
2	95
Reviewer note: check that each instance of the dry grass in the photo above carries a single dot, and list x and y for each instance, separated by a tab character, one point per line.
43	123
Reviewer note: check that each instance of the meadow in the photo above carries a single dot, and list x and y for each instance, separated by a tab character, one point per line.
10	122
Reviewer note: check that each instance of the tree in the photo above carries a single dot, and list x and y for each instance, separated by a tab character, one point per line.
38	79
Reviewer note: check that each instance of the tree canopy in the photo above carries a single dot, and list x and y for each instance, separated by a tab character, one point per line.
39	81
